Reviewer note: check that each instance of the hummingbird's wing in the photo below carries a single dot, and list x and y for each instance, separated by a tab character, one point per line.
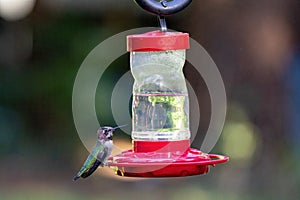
100	158
91	170
91	162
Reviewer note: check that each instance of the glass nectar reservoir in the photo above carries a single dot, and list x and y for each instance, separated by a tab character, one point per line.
160	107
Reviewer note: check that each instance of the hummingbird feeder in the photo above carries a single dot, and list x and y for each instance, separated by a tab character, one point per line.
160	106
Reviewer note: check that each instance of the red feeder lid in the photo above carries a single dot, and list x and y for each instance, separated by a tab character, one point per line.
158	41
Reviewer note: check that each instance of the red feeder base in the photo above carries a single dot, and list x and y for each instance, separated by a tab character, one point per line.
163	159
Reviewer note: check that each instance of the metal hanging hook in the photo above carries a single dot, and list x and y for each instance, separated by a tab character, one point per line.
163	7
163	23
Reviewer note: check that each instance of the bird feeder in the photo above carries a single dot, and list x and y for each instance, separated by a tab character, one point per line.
160	111
160	106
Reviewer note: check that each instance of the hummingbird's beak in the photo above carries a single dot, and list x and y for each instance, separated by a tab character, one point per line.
119	126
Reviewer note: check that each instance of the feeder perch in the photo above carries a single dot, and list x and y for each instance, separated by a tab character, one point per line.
160	111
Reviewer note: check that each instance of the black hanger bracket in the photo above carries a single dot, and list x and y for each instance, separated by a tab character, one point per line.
163	7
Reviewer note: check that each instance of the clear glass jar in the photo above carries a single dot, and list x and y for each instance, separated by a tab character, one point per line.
160	107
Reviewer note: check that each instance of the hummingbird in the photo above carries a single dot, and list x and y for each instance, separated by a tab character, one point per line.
100	153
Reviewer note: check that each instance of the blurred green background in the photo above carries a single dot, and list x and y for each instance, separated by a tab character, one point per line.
255	45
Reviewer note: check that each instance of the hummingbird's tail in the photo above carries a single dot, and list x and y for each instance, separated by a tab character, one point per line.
119	126
76	178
